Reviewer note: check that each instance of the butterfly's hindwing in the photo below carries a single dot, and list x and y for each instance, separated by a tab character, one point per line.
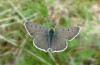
42	42
58	43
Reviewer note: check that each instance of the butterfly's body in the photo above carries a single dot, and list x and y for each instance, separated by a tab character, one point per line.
51	34
54	39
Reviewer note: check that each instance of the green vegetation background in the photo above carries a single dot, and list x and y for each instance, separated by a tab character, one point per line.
16	47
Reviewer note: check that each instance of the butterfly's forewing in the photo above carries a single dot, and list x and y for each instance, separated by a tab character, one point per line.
60	37
68	33
34	28
41	33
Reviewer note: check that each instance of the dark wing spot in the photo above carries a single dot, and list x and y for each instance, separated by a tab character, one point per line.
31	25
39	27
68	29
63	30
35	26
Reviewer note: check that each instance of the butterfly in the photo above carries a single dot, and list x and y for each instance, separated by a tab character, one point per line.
53	38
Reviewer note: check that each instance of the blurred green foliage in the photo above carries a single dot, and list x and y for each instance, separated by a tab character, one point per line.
16	47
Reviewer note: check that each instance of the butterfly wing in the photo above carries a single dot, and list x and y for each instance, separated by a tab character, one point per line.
35	29
68	33
58	43
41	40
61	34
